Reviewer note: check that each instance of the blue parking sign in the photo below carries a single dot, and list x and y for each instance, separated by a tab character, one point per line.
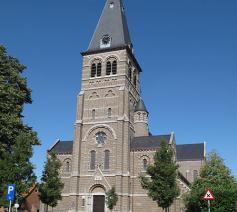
11	192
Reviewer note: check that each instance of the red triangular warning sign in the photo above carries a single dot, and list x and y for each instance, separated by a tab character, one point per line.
209	195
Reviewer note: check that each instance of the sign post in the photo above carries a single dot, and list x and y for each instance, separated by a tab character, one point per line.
10	194
208	197
16	206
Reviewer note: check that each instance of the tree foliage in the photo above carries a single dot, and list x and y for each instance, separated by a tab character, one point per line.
51	186
162	181
217	176
111	198
16	138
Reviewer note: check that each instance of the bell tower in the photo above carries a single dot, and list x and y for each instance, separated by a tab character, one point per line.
104	127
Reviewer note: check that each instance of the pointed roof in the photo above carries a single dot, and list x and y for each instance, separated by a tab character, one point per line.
113	23
140	106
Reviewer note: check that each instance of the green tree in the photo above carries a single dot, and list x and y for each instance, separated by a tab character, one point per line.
16	138
162	181
51	186
111	198
217	176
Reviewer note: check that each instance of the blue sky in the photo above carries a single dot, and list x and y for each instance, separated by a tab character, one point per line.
187	49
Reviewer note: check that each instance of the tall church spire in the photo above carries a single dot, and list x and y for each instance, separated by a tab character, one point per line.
112	29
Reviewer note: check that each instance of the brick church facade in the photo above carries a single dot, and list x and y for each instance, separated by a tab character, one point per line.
112	143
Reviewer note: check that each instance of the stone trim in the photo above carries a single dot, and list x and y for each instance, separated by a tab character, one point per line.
98	126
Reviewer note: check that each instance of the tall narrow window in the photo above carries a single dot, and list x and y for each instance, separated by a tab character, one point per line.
130	72
109	113
135	80
93	70
106	162
83	202
145	164
114	67
67	168
93	114
195	175
139	116
99	69
92	160
108	68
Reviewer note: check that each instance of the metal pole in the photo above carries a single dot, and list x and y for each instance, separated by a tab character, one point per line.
10	206
209	206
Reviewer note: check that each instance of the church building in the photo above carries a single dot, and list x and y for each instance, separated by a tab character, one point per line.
112	144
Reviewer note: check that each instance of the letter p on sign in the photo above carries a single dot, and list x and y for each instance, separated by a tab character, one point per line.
11	192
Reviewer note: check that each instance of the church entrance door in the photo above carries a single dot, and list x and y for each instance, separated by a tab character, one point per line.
98	203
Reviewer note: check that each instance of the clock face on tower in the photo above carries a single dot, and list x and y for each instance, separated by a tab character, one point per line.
101	138
105	41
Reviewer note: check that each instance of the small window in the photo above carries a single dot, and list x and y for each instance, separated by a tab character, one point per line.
92	160
93	70
67	168
130	73
111	5
135	80
108	68
106	162
83	202
109	113
114	67
93	114
145	164
139	116
105	41
111	66
195	175
99	69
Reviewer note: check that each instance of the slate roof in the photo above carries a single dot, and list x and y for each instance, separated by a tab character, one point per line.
112	22
140	106
148	142
62	147
190	151
184	152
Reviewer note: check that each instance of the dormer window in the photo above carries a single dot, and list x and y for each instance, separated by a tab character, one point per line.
105	41
111	5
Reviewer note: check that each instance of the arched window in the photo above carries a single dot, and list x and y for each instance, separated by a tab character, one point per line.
114	67
109	113
111	66
96	69
99	69
106	162
67	166
92	160
108	68
195	175
93	114
93	70
139	116
145	164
